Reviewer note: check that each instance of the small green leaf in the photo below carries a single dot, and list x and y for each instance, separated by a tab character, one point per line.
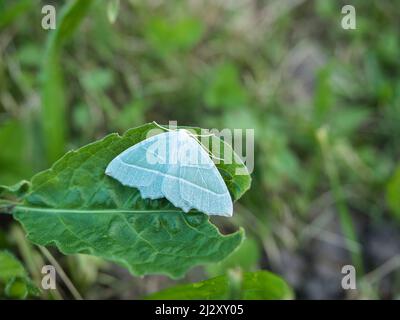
10	267
15	278
245	258
17	189
131	114
170	36
323	97
260	285
393	194
224	89
76	207
16	288
13	158
13	11
97	80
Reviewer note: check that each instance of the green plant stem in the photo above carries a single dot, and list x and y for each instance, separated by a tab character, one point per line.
61	273
6	206
54	101
235	279
345	218
31	261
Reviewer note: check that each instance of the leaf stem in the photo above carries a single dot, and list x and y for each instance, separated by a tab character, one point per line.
75	293
32	259
345	218
7	206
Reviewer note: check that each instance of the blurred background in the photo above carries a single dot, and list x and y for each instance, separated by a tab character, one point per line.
324	103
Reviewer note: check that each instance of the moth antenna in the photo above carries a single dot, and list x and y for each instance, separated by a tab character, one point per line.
204	147
162	127
195	137
214	156
203	135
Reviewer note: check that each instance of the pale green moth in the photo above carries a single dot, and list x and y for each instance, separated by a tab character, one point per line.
173	165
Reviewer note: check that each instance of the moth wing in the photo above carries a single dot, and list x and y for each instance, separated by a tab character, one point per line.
175	166
171	182
143	165
201	185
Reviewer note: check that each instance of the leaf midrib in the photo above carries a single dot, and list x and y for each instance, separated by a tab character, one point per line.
61	210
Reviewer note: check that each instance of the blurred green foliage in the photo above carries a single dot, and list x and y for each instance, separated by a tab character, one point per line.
245	258
393	195
285	68
260	285
14	280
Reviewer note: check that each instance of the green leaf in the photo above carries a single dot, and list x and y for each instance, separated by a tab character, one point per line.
245	258
13	157
169	36
10	14
97	80
54	102
393	194
260	285
16	288
76	207
30	54
323	97
10	267
9	195
131	114
17	189
344	122
15	278
224	89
